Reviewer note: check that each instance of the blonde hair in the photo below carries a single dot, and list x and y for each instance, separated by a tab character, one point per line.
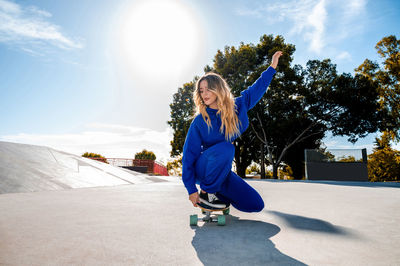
225	102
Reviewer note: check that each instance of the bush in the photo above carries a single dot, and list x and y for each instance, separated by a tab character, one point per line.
384	163
286	173
175	167
254	168
145	155
95	156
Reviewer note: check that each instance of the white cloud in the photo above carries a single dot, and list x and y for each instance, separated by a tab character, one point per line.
9	7
355	7
110	140
321	23
244	11
344	56
308	18
316	21
26	27
39	12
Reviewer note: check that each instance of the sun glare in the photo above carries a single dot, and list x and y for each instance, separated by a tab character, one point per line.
159	37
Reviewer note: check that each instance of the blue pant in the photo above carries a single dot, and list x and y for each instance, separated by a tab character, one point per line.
213	171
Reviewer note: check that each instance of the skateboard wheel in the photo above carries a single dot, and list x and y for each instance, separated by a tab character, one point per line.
221	219
226	212
193	219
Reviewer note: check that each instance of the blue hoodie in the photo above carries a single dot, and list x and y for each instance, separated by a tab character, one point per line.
199	138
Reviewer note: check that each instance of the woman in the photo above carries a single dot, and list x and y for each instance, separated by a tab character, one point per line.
208	151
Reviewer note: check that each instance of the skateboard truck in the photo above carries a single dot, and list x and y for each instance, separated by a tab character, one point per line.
208	218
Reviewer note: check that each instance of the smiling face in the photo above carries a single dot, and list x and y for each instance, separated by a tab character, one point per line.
209	97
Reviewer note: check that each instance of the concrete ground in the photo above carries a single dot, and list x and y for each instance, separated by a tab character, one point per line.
308	223
61	209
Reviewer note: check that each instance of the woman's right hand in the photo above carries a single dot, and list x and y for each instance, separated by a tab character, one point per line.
275	59
194	198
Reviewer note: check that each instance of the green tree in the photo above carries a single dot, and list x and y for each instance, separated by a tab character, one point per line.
254	168
384	163
175	167
146	155
347	159
388	82
286	172
302	104
182	111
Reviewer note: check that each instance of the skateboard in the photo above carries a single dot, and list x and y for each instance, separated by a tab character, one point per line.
208	218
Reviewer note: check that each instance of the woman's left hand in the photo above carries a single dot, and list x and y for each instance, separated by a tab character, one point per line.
275	59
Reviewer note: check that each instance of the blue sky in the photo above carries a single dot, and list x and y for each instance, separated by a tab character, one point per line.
99	75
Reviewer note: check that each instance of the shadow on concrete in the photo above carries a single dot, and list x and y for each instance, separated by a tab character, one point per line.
239	242
310	224
335	183
358	184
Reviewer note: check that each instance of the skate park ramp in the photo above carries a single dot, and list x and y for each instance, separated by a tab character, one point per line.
29	168
147	223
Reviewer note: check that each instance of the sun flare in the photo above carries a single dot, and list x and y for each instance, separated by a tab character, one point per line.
159	37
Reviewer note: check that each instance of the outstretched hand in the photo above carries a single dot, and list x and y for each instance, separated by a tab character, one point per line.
275	59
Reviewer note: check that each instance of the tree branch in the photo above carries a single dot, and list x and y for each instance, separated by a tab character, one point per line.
295	141
265	138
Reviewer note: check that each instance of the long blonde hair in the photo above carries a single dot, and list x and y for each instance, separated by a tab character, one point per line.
225	102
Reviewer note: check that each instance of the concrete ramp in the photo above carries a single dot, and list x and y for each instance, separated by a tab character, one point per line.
28	168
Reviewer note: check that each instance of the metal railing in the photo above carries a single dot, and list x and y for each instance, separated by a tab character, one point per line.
152	166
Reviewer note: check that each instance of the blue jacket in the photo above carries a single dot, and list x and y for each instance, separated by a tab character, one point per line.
199	138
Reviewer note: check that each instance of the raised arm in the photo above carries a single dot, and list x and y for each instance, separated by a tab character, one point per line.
253	94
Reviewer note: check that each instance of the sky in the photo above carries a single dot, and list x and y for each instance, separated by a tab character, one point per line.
99	76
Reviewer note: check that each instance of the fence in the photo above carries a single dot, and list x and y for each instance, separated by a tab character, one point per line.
336	164
153	167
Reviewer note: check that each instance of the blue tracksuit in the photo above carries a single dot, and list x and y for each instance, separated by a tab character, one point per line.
207	156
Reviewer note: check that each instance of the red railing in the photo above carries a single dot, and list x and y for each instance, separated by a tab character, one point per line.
153	167
160	169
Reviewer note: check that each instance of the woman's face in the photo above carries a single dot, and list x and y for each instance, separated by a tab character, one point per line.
209	98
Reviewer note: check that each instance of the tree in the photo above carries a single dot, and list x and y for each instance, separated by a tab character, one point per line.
182	111
384	163
175	167
388	82
303	104
145	155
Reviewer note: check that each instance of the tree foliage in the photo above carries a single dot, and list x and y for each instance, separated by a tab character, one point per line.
146	155
388	82
95	156
182	111
175	167
384	163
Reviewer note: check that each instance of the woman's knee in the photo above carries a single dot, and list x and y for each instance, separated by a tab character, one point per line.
256	205
259	206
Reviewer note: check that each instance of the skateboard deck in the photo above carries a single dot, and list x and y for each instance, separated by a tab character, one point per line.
208	218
